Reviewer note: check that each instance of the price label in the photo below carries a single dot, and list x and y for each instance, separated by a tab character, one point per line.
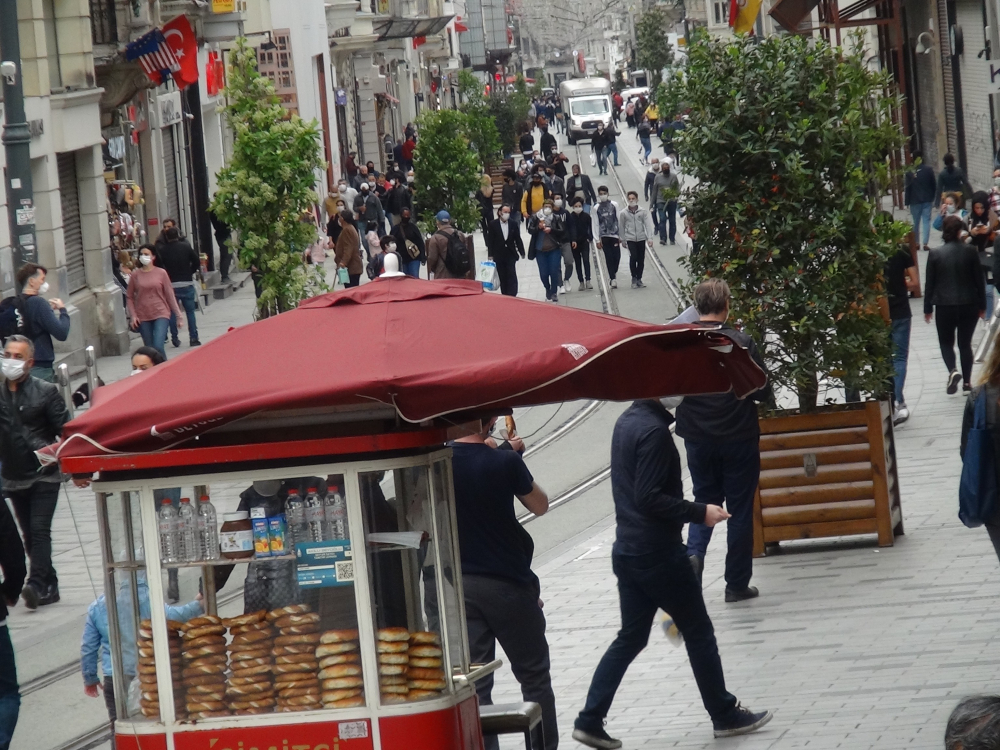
352	730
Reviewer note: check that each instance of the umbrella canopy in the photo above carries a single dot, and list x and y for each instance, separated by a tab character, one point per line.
424	348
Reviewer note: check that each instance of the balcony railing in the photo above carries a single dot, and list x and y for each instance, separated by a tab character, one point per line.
103	22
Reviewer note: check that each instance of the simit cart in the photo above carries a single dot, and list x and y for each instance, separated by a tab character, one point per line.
344	627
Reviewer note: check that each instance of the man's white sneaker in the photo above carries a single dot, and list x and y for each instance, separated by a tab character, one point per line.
901	414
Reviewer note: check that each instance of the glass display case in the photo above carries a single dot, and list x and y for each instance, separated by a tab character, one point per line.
248	596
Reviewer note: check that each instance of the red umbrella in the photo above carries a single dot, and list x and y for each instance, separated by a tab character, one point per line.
426	348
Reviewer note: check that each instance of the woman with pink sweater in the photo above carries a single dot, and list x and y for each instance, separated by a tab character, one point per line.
150	298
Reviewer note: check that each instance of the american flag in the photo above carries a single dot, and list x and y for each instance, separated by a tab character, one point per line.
154	55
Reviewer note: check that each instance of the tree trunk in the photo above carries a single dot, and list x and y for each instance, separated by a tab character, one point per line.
808	391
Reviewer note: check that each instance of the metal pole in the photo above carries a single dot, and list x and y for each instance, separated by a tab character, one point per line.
16	140
91	359
62	375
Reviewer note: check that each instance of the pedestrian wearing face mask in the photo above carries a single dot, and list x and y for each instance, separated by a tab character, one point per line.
580	236
598	144
647	189
642	132
559	222
346	191
534	196
611	144
555	182
665	202
511	194
950	206
580	186
150	298
409	244
333	225
32	415
145	358
604	227
397	199
636	228
545	251
43	319
376	266
953	180
503	242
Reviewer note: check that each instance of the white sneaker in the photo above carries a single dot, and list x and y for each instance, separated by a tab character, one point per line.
901	414
581	287
561	289
614	283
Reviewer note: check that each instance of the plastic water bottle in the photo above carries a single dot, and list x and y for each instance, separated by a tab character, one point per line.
208	530
295	515
315	519
336	513
188	526
170	540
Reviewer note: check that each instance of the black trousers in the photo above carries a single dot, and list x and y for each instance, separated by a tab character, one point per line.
581	253
963	319
10	695
612	254
505	611
636	258
507	271
34	508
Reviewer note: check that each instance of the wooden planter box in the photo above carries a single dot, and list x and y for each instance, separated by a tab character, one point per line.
831	473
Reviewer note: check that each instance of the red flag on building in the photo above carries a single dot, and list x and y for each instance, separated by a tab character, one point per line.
180	36
212	82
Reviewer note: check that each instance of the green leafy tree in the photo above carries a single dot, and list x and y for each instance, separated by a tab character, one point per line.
446	170
653	52
670	95
788	140
510	113
481	123
268	186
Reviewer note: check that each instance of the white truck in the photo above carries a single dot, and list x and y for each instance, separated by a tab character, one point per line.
586	102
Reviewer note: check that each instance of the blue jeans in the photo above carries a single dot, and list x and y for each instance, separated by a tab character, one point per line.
412	268
154	333
663	579
646	146
10	694
666	215
548	269
921	212
602	161
612	149
900	353
726	472
186	299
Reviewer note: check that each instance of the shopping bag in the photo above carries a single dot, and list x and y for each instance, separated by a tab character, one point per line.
488	275
342	276
593	159
977	491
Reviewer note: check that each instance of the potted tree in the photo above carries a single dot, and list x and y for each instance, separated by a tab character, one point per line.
788	139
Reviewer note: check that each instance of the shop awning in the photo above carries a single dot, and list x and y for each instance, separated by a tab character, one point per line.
404	28
417	350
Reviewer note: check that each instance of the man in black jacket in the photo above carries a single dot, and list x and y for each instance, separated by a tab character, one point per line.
511	193
651	564
409	243
32	415
181	263
12	566
503	242
722	438
580	186
920	194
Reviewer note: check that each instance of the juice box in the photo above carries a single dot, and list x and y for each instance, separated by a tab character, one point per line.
261	538
276	531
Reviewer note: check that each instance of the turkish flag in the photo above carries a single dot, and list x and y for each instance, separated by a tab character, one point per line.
180	36
212	82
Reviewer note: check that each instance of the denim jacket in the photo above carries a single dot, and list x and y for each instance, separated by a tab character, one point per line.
96	636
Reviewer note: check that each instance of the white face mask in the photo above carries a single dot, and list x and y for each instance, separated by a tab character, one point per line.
43	288
145	259
136	371
504	217
578	209
342	186
341	209
603	198
557	203
391	247
409	178
654	167
633	204
13	369
547	211
951	208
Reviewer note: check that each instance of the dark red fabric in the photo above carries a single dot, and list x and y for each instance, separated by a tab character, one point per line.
429	348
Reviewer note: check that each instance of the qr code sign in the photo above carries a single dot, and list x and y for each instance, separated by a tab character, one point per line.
345	572
352	730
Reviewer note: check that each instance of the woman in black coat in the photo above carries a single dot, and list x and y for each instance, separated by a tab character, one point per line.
955	296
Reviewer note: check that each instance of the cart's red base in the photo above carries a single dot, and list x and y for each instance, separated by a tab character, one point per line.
455	728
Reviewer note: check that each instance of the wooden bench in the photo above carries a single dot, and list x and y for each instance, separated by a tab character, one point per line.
831	473
514	718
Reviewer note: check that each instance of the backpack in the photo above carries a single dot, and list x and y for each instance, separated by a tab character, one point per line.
13	317
456	255
977	491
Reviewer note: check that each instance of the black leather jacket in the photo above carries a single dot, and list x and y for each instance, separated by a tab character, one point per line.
30	418
954	277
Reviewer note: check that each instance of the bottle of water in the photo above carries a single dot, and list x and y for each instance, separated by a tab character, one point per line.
208	530
336	513
170	540
295	515
188	525
315	519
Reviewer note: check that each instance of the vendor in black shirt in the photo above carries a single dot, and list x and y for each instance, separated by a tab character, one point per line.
722	439
501	591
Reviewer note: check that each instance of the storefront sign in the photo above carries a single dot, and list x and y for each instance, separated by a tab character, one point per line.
223	6
170	109
323	564
25	216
